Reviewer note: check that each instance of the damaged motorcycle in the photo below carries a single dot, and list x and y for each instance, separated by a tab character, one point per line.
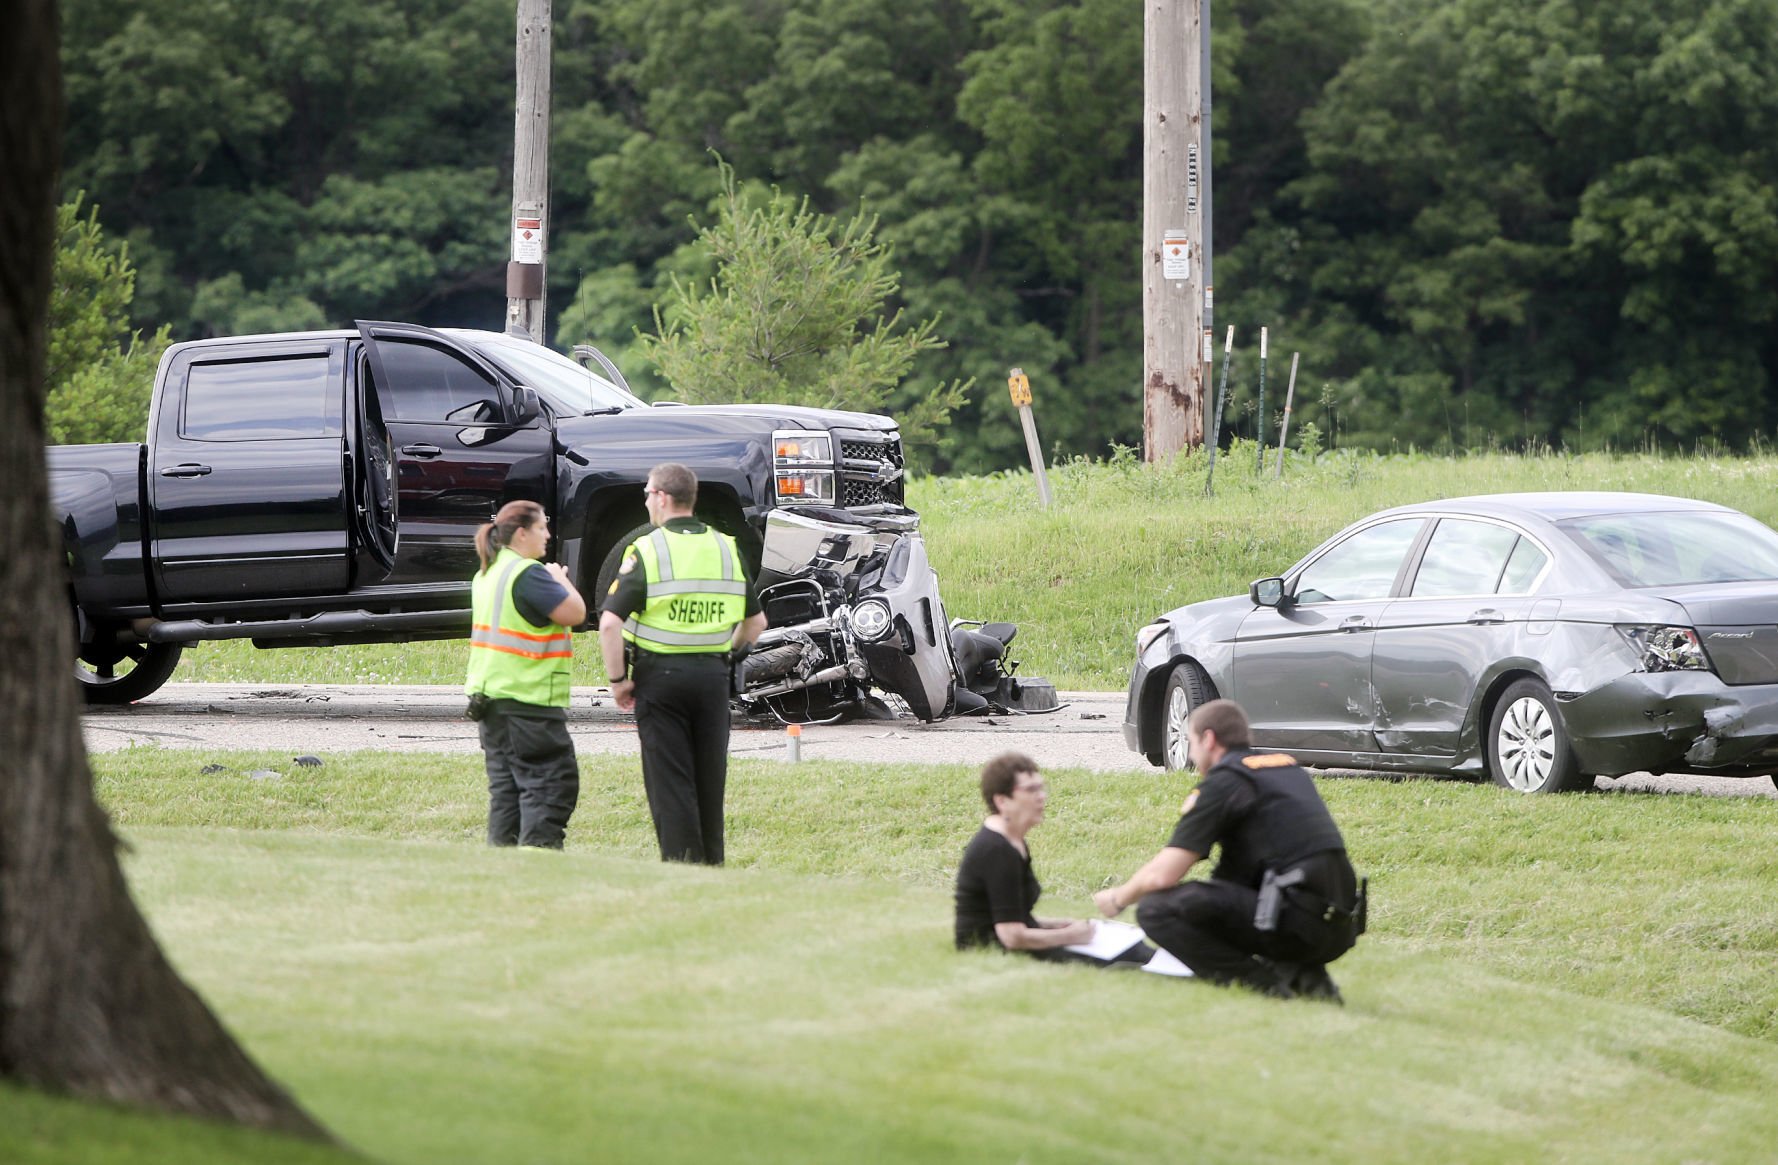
855	627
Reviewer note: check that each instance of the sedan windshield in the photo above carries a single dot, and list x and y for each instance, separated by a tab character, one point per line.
567	386
1676	549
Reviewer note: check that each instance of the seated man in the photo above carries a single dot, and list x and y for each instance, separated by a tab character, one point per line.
996	889
1283	901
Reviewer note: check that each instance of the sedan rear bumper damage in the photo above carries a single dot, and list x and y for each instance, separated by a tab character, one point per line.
1674	722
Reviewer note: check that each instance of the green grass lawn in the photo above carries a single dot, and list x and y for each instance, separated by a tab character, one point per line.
1579	979
1123	543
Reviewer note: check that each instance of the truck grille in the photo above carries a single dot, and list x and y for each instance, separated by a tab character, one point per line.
871	471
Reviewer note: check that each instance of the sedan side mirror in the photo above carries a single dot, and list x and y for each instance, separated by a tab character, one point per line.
1268	592
526	405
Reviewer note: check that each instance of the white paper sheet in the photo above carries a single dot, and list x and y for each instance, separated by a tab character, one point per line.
1110	939
1164	963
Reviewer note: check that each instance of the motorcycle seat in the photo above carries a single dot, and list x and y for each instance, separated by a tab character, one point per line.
1001	631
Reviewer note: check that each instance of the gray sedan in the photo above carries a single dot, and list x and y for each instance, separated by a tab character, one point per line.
1543	639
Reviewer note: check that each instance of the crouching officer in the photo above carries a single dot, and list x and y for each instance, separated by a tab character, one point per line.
1283	901
683	603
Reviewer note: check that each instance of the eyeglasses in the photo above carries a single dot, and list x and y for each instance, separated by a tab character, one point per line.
649	489
1033	787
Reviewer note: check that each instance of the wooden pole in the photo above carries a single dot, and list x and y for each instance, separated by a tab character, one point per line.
1175	149
525	301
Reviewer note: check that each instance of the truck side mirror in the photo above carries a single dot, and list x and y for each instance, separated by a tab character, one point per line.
526	405
1268	592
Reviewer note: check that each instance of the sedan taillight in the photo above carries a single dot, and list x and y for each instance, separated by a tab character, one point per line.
1661	648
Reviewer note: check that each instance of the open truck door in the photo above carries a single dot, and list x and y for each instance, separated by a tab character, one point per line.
463	439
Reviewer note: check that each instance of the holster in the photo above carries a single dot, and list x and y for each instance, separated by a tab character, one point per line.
478	706
1271	895
1273	888
737	673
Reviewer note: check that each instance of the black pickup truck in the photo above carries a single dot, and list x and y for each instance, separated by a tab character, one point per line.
319	488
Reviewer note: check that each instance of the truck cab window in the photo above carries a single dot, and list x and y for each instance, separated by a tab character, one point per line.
431	384
257	400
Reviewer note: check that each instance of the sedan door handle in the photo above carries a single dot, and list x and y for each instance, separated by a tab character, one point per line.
423	452
189	469
1355	623
1487	615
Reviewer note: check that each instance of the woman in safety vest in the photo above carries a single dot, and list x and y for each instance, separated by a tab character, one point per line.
520	657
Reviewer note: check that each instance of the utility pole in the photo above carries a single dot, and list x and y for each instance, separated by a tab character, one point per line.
1175	231
530	173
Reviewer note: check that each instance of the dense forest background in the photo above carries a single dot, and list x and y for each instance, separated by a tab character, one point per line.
1482	222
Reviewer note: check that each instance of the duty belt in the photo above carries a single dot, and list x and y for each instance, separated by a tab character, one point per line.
1271	894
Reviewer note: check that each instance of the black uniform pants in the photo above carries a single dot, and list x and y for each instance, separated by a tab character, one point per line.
1208	926
533	778
682	716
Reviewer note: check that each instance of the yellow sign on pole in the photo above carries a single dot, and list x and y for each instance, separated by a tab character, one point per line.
1020	386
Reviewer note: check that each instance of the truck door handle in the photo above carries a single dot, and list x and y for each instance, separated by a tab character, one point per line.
1487	615
423	452
189	469
1355	623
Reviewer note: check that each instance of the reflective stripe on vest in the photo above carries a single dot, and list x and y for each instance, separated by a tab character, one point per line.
672	620
510	657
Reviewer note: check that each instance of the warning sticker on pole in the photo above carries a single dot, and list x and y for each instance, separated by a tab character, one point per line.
527	239
1176	255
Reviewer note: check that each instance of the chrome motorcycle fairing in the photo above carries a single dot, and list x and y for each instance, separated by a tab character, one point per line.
851	604
913	659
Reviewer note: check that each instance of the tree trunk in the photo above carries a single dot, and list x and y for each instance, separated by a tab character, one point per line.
88	1004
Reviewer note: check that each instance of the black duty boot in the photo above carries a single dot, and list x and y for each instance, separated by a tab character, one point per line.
1313	982
1274	977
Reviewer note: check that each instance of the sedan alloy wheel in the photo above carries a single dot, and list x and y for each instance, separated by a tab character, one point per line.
1528	747
1187	688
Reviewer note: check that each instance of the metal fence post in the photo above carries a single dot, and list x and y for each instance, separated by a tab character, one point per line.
1020	386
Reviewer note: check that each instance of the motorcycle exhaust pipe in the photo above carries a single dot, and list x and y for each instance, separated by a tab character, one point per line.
827	675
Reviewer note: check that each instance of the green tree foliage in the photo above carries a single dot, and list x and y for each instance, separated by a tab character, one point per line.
1480	221
314	158
1544	220
795	314
99	371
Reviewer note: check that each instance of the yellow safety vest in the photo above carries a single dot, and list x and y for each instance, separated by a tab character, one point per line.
696	592
510	657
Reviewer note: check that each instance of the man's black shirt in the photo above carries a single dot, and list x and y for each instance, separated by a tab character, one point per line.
995	883
1263	809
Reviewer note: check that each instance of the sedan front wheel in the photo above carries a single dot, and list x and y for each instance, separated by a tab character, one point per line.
1187	689
1528	748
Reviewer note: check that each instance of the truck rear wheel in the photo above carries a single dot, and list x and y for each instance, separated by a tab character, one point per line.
123	673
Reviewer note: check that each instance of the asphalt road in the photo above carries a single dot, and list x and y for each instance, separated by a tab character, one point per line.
315	718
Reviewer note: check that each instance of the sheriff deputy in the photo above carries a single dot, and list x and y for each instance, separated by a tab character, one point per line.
1283	901
680	607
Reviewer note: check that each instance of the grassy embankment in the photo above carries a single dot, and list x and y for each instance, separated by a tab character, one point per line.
1123	543
1579	978
1584	978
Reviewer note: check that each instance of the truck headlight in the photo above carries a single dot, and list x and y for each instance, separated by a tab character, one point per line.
802	466
1660	648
